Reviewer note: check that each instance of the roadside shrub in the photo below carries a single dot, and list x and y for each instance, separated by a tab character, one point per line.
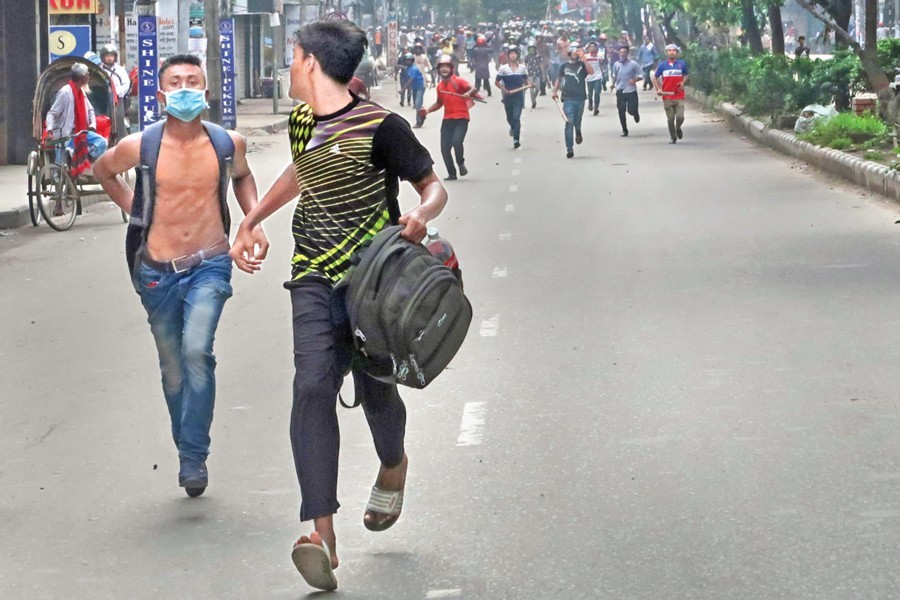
840	143
873	155
838	131
770	84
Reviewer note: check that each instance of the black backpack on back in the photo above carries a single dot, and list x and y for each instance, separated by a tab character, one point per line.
408	314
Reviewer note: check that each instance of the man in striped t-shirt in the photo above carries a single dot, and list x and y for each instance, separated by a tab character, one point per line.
348	158
512	79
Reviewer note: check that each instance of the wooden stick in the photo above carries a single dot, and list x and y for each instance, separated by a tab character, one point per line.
475	98
562	113
519	89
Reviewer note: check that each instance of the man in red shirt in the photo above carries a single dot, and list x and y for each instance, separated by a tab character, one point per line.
669	80
455	95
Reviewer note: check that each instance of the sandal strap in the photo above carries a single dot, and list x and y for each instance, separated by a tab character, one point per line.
385	502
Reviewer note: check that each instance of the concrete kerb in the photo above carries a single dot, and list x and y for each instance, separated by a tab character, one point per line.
870	175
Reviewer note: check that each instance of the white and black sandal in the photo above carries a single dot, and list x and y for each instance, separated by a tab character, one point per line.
383	509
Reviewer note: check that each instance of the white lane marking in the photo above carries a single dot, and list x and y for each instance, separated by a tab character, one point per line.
842	266
490	326
517	160
471	429
505	236
514	188
510	208
443	593
499	272
515	172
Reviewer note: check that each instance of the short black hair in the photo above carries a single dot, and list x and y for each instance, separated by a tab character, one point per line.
802	37
180	59
337	45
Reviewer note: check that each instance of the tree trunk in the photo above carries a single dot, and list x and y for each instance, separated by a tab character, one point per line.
840	11
671	34
659	39
868	56
751	27
777	29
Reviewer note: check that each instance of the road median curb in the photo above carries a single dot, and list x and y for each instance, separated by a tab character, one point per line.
865	173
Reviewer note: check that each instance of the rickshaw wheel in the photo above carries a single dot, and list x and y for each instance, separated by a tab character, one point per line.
33	202
57	197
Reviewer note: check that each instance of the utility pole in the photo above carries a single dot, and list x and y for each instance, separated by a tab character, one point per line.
120	14
275	23
211	17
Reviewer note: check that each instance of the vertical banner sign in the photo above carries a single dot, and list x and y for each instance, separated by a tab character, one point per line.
148	68
229	114
393	40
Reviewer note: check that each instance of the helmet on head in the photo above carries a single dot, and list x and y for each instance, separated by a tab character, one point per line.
108	49
514	48
573	48
602	37
446	59
481	40
409	56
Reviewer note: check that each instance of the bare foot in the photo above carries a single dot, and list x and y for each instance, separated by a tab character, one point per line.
316	538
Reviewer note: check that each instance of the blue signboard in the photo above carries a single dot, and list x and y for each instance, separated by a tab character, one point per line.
229	112
69	40
148	69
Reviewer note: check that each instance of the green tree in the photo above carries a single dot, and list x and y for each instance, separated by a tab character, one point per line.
825	12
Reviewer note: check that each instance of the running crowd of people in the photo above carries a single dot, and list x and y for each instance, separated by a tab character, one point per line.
573	62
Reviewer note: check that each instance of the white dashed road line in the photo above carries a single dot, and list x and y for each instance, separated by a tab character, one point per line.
510	208
505	236
514	188
471	429
499	272
490	326
454	593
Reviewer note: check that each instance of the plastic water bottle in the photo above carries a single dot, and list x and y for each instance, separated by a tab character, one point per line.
441	249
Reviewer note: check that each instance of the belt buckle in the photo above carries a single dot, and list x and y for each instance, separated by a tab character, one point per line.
174	263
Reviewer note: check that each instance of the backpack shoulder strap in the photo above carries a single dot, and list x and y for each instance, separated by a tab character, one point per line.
224	147
151	139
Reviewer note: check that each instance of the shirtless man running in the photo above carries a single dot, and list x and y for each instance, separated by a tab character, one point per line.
185	271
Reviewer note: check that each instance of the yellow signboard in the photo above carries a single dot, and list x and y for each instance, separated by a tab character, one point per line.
73	7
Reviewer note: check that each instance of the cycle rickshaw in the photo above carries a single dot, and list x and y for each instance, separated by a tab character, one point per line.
54	195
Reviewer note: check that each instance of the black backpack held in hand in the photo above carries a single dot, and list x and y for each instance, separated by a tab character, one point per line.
408	314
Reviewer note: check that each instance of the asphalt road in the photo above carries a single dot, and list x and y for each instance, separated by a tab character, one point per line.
679	383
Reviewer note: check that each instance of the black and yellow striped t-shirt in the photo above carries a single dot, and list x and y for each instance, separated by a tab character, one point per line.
348	166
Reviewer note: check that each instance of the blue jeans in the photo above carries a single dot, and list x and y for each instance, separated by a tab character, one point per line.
574	109
183	310
593	92
514	104
418	98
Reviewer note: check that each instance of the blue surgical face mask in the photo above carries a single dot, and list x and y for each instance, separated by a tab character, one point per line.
185	104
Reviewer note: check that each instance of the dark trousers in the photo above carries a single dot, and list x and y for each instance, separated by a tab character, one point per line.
593	93
453	134
514	104
486	82
627	102
321	350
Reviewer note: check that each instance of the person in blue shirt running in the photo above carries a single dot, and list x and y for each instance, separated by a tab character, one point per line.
415	82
